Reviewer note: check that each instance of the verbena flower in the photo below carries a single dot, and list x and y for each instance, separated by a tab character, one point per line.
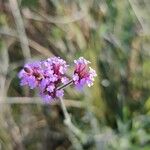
55	69
83	74
31	75
54	74
48	75
48	90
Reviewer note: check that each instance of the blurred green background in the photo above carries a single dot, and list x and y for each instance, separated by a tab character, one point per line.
114	35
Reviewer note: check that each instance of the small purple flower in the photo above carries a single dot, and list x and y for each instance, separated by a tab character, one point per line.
64	80
31	75
60	93
56	64
54	74
55	69
48	90
83	74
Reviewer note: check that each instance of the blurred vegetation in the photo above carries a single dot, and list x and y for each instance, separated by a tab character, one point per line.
115	36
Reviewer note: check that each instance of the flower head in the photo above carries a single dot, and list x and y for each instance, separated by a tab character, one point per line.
31	75
83	74
48	90
46	75
54	70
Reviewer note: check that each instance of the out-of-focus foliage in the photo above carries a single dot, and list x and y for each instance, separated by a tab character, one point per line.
115	36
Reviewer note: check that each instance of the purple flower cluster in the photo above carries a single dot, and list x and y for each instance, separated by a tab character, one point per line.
31	75
49	75
83	74
54	70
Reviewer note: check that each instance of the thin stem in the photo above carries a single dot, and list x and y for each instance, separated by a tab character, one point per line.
64	109
65	85
69	124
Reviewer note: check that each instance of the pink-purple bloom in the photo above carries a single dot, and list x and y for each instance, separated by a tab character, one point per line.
46	75
54	74
31	75
83	74
49	75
